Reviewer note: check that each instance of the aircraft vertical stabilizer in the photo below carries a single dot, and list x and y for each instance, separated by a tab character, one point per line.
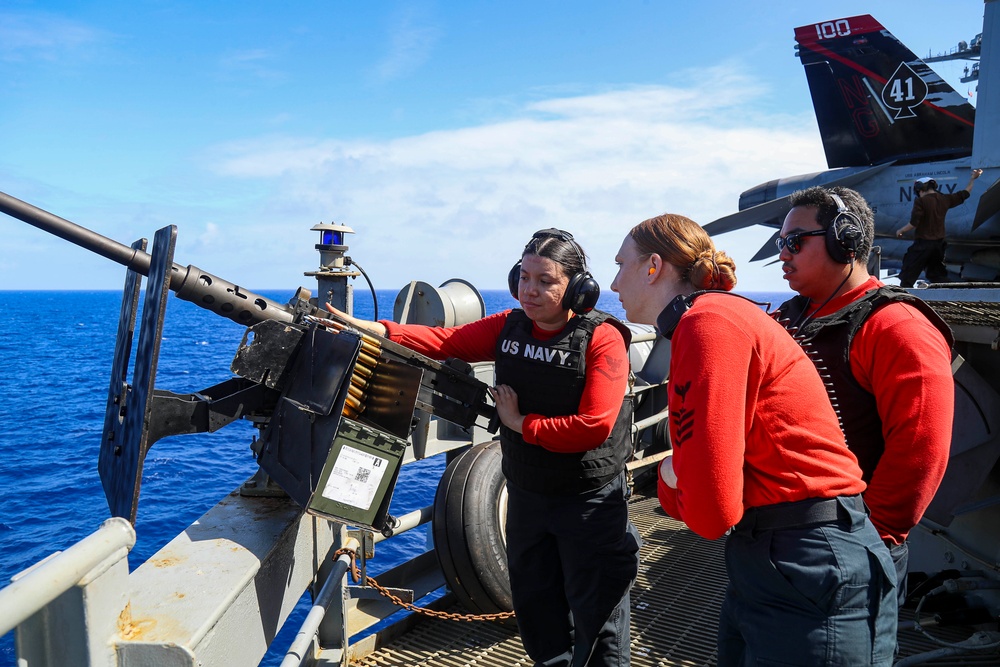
986	147
875	100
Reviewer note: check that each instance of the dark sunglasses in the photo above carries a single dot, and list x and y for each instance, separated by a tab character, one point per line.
794	240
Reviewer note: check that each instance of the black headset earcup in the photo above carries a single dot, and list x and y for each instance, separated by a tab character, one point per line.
843	238
514	278
845	233
670	316
582	293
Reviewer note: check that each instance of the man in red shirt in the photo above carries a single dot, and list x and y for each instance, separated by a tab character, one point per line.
886	353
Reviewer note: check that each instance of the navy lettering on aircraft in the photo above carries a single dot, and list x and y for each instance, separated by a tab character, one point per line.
903	91
906	194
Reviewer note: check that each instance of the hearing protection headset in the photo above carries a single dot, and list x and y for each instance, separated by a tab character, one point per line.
670	316
845	233
582	291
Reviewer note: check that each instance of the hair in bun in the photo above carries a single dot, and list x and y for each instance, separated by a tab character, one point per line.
683	243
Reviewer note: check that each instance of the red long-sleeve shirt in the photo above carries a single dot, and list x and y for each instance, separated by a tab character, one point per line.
604	387
903	360
750	420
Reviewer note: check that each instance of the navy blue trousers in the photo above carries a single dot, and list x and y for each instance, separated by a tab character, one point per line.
572	562
815	595
901	560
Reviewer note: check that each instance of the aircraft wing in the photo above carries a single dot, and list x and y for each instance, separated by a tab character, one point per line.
772	213
767	250
763	214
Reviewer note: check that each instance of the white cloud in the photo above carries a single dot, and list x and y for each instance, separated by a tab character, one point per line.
462	202
28	36
254	63
411	40
210	235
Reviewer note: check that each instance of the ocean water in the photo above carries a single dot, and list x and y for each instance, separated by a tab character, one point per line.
55	359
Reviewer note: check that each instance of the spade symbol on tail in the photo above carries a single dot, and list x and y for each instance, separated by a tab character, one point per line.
904	91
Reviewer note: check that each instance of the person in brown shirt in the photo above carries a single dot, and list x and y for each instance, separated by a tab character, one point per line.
926	253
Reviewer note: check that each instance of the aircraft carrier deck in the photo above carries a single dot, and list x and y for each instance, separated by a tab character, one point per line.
675	607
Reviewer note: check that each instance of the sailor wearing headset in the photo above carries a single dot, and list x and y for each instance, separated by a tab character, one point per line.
562	372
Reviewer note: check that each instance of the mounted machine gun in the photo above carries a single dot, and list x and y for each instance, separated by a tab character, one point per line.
334	405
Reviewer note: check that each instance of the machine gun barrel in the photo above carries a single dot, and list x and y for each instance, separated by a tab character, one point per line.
189	283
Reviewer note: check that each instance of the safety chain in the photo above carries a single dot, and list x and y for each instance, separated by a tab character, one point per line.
396	600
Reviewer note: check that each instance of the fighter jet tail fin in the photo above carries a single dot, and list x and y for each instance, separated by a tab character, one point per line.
875	100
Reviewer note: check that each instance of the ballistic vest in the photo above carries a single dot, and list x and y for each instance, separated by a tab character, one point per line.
827	342
549	377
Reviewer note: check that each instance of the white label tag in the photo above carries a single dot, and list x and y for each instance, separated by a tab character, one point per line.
355	478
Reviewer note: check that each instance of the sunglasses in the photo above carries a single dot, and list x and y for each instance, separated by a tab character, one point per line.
794	240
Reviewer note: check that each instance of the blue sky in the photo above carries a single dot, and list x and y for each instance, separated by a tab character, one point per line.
443	133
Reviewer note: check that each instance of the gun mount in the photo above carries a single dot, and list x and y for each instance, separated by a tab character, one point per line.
317	389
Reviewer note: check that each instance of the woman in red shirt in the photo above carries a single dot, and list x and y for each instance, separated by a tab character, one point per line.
757	448
562	374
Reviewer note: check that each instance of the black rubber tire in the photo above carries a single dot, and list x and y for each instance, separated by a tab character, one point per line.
485	515
468	527
443	546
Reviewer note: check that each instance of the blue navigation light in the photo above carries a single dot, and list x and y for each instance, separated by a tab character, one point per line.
333	238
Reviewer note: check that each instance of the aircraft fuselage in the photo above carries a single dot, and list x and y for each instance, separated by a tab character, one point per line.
890	193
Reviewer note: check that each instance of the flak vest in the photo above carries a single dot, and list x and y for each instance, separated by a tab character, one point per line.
827	342
549	378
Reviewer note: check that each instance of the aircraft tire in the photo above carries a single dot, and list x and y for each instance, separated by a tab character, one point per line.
444	541
468	528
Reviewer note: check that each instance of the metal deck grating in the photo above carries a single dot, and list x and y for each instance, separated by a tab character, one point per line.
673	620
964	304
969	313
675	609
